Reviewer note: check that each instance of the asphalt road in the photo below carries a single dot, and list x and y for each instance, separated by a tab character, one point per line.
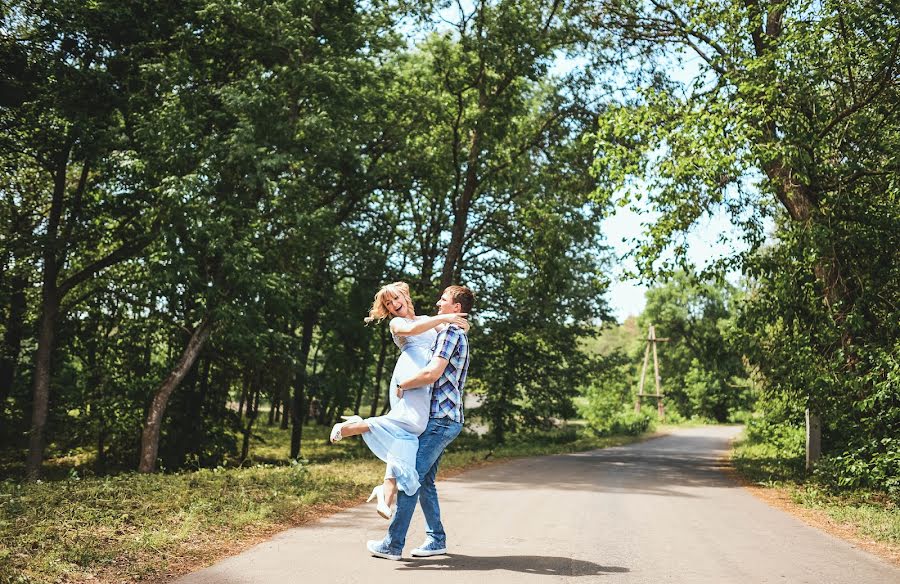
658	511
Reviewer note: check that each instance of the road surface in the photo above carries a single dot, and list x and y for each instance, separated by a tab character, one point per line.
653	512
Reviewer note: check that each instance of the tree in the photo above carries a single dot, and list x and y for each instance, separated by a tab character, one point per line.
486	100
791	113
703	372
265	83
67	120
541	293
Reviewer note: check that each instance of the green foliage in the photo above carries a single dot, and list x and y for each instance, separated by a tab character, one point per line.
225	127
872	466
703	376
500	156
608	407
267	166
806	353
528	363
606	415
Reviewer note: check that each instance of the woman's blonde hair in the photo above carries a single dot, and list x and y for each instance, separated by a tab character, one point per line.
379	310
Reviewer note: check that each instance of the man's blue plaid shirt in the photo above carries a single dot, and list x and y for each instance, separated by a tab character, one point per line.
451	344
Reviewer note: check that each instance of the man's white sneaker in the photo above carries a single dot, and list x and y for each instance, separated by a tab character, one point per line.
428	549
377	549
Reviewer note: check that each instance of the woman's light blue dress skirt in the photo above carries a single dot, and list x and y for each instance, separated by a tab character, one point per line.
394	438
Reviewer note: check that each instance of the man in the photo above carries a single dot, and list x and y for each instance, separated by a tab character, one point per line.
446	373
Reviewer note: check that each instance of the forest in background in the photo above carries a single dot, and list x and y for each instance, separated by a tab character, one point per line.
200	198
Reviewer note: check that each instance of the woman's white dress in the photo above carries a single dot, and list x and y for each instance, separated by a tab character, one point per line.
394	438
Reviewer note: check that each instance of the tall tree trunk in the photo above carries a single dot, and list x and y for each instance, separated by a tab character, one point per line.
799	199
285	406
204	387
41	384
95	385
281	388
387	402
359	393
505	394
332	412
801	202
252	413
245	390
461	212
53	291
379	371
53	257
12	338
298	413
153	423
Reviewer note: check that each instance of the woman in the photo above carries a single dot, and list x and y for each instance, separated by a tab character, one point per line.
394	438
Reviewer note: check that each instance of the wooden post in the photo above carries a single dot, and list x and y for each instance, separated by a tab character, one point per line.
651	340
813	439
637	398
659	403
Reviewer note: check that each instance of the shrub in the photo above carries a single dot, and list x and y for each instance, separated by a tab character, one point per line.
606	415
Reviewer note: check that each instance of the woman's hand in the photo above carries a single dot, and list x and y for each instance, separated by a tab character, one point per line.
459	319
399	391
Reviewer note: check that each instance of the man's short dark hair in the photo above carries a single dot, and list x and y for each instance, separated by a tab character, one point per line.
463	296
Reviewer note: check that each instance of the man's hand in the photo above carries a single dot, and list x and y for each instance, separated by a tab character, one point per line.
425	377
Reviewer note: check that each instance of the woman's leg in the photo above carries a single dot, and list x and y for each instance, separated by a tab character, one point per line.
348	428
390	490
354	429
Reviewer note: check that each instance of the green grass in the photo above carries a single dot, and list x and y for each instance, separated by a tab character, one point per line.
871	514
130	526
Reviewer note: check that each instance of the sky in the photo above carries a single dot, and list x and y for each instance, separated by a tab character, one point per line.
626	296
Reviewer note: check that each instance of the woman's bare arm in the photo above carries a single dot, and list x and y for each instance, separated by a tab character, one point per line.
406	328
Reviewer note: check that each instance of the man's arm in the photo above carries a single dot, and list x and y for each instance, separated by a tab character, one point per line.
445	345
425	377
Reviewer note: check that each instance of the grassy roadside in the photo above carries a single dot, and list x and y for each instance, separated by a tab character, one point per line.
149	527
867	518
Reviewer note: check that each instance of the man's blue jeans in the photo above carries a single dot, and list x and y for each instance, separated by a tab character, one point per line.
438	434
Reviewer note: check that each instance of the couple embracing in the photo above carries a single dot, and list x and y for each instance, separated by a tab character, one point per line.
426	412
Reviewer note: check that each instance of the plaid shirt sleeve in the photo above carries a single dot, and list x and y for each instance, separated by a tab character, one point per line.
446	342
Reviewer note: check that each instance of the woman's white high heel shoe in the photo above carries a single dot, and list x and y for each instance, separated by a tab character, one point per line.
381	507
336	429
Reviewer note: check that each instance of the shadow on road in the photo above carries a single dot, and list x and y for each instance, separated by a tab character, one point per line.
541	565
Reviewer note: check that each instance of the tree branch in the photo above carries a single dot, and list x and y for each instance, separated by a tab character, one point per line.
886	76
124	252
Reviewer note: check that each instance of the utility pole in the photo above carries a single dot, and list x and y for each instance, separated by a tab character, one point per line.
651	342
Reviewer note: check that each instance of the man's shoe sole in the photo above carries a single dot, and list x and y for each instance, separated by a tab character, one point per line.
379	554
417	553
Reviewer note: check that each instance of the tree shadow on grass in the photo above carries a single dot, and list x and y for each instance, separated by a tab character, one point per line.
782	468
541	565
